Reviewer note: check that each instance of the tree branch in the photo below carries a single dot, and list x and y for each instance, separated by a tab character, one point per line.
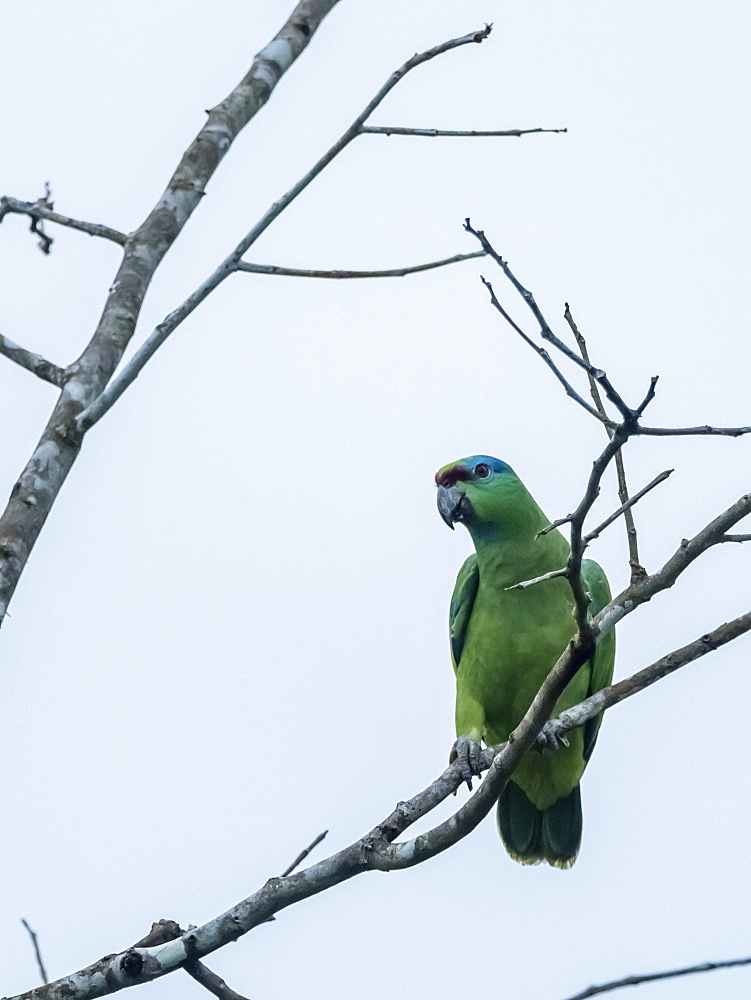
625	508
637	570
303	854
42	209
377	850
651	977
37	952
546	332
615	693
705	429
33	363
643	590
570	391
434	132
40	482
394	272
210	981
96	410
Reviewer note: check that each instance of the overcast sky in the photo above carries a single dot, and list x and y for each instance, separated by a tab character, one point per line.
231	634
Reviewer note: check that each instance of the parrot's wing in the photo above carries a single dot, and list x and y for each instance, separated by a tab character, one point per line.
598	590
462	600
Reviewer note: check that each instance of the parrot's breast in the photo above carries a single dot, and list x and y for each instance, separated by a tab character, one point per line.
514	638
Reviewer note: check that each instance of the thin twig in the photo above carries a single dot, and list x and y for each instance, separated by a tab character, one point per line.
626	507
570	391
651	977
42	210
736	538
33	363
554	574
37	952
210	981
704	429
433	132
303	854
394	272
90	415
637	570
546	332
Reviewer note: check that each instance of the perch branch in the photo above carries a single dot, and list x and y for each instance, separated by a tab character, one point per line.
169	930
231	264
615	693
394	272
377	850
689	970
41	210
433	132
33	363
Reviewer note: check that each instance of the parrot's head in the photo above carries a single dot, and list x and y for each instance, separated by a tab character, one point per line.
476	491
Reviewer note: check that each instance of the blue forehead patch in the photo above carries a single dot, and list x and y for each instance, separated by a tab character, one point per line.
492	463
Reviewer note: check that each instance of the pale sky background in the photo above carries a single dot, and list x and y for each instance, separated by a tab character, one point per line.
231	634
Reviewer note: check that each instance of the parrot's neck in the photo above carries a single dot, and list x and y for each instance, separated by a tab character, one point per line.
509	554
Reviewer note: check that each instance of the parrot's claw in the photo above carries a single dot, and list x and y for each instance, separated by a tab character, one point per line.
469	754
552	736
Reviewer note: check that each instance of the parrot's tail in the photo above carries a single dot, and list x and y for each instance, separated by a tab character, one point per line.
531	835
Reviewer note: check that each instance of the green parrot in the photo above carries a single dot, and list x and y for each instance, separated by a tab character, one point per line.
503	645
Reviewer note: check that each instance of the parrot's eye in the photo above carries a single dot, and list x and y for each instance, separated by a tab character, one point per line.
482	471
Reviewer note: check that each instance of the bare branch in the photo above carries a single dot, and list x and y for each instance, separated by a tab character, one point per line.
547	334
395	272
95	411
303	854
37	952
433	132
705	429
33	363
570	391
641	591
210	981
144	250
42	210
736	538
169	930
377	850
625	508
630	417
651	977
637	570
609	696
554	574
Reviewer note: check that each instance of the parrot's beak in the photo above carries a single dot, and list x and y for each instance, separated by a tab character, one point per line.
452	504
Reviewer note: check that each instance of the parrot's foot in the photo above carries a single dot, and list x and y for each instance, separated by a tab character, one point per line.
552	736
469	754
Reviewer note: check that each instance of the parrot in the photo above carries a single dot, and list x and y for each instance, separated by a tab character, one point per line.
505	641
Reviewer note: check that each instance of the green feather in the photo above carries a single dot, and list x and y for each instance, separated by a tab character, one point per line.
504	643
